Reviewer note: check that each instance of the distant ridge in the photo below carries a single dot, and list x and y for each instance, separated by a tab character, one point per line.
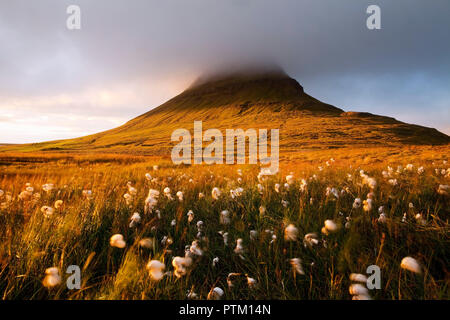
252	98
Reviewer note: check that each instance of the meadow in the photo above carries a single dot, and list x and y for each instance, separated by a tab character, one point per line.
143	228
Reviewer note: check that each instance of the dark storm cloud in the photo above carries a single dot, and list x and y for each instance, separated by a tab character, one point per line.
130	56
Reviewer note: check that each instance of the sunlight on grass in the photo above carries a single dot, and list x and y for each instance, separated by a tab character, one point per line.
295	237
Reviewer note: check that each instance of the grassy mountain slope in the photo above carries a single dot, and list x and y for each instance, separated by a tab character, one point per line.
268	100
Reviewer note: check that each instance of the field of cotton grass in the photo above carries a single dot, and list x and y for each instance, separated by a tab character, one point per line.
143	229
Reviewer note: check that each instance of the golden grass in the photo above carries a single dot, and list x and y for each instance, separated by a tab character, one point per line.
78	233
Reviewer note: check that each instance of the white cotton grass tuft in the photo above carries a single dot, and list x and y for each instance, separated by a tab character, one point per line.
135	220
290	233
181	266
356	203
253	235
369	181
47	211
225	217
117	241
215	193
26	194
153	193
332	191
128	198
215	261
274	238
251	282
348	223
190	215
167	193
58	204
358	289
420	220
290	179
52	277
151	201
411	264
215	294
191	295
262	210
382	218
303	186
239	249
166	241
329	227
358	277
195	248
277	187
48	187
393	182
148	176
225	237
180	196
359	292
296	264
231	278
310	240
368	205
404	218
146	243
235	193
200	225
156	269
131	190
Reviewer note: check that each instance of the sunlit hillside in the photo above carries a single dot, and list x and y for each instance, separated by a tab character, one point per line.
262	100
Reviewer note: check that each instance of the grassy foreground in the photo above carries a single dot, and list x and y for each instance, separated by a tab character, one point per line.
38	232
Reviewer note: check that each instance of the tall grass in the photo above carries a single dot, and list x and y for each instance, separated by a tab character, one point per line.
78	233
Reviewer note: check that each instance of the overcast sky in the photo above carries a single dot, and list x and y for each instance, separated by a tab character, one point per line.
131	56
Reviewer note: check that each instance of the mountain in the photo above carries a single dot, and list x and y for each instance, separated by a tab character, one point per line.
267	99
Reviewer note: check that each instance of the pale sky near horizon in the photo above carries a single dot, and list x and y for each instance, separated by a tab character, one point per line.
132	56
